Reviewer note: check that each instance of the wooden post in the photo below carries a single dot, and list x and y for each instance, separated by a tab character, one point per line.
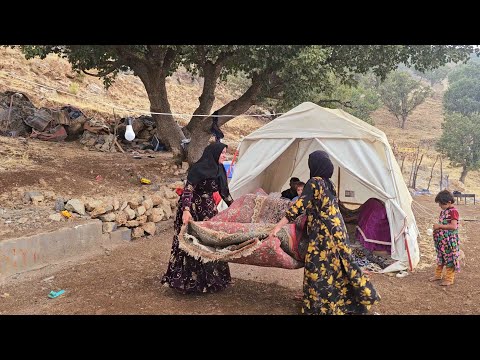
115	128
431	173
413	168
416	172
441	173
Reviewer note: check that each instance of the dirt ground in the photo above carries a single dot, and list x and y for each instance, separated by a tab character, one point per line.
125	279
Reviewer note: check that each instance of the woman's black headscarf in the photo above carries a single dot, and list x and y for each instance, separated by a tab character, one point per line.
321	166
207	167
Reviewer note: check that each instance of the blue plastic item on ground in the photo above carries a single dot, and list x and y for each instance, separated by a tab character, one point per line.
54	294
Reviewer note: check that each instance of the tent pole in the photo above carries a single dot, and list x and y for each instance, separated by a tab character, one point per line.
338	186
408	253
406	243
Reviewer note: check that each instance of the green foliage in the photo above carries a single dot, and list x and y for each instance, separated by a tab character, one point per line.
469	70
401	94
463	94
460	140
360	100
435	76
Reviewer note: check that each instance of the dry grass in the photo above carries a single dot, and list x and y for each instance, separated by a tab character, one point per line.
12	156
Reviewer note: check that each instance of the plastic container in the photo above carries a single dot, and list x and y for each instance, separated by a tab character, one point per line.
226	165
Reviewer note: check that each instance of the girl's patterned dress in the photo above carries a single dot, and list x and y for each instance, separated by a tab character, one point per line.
333	283
185	273
447	242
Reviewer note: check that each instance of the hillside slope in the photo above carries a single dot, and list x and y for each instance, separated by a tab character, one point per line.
128	97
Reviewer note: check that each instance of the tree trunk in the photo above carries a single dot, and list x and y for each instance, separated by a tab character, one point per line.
197	144
416	172
463	175
199	128
403	160
404	120
168	131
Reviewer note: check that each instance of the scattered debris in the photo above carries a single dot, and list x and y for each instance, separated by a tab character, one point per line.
55	294
145	181
66	214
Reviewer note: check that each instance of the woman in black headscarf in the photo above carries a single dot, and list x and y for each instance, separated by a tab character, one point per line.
333	283
206	176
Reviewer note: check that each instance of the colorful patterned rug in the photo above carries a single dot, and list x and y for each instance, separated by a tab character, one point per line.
239	234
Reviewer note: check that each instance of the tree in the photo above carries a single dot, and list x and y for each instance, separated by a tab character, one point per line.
460	141
434	76
463	93
401	94
359	100
290	73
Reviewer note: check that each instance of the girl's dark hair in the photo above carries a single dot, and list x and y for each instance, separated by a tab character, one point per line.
444	197
299	183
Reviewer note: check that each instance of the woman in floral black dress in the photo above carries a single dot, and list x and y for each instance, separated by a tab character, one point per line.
333	283
206	176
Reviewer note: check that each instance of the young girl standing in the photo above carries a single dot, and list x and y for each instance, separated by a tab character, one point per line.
446	240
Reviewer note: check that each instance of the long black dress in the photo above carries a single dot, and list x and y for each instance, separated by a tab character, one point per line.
185	273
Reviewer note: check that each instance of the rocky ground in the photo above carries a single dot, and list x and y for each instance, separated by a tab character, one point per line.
125	279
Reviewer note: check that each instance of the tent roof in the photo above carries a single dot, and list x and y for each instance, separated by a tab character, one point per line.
310	120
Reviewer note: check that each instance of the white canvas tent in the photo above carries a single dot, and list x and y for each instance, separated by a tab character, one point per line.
365	167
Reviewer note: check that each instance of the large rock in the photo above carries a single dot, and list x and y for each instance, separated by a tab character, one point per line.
116	204
142	219
147	203
149	228
75	205
130	213
132	223
92	204
156	199
108	227
29	194
137	232
140	210
101	210
123	206
156	215
121	218
59	204
108	217
165	206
